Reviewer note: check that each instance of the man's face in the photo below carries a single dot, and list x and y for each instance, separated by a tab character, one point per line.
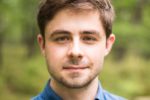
75	47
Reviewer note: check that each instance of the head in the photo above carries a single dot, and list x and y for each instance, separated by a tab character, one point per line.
75	37
49	8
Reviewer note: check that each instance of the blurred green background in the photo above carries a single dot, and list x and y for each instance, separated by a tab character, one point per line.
23	72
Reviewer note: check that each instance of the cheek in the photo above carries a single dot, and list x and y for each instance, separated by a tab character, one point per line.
96	55
54	58
55	53
97	51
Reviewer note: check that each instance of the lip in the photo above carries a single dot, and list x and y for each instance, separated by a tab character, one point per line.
74	68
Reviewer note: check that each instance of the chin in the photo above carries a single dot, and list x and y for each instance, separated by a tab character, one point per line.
76	82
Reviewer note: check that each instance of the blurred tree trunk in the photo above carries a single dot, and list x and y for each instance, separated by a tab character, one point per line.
29	39
30	46
1	41
1	47
137	15
28	24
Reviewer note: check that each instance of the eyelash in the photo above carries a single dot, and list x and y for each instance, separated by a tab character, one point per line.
85	39
88	38
62	38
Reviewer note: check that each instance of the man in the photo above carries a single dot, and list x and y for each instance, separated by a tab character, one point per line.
76	35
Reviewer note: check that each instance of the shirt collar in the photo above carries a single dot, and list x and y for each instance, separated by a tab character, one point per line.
50	93
99	95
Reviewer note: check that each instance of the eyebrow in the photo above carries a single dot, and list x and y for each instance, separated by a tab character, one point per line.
59	32
92	32
63	32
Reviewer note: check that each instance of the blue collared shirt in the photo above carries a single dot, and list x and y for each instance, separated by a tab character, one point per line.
49	94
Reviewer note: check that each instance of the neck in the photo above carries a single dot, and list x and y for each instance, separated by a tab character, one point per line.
85	93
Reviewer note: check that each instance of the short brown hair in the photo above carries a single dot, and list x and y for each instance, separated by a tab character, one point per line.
49	8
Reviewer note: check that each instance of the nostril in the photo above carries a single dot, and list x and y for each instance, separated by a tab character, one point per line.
75	56
75	60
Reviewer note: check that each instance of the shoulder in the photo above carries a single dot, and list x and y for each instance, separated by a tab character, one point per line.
102	94
110	96
38	97
47	94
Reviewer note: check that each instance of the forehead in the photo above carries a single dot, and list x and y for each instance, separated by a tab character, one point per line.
73	20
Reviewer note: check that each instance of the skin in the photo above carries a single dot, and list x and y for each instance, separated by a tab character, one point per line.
75	48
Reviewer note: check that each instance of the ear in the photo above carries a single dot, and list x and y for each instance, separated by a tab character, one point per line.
40	40
109	43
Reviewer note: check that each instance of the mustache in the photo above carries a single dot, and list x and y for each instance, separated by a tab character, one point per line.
72	62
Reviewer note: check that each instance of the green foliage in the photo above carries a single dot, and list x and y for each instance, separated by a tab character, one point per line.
21	76
129	77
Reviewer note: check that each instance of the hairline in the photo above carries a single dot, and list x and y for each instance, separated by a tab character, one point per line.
74	10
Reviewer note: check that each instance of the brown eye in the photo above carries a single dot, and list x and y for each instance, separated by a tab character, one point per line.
89	39
62	39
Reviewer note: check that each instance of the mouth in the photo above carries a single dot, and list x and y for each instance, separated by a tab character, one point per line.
75	68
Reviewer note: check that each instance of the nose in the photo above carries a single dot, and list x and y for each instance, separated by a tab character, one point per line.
75	50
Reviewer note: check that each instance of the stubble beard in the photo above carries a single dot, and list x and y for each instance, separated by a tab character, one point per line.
74	82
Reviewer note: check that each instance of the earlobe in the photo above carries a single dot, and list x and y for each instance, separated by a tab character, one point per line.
41	43
109	43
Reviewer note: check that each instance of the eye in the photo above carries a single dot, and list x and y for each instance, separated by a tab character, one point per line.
62	39
89	39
